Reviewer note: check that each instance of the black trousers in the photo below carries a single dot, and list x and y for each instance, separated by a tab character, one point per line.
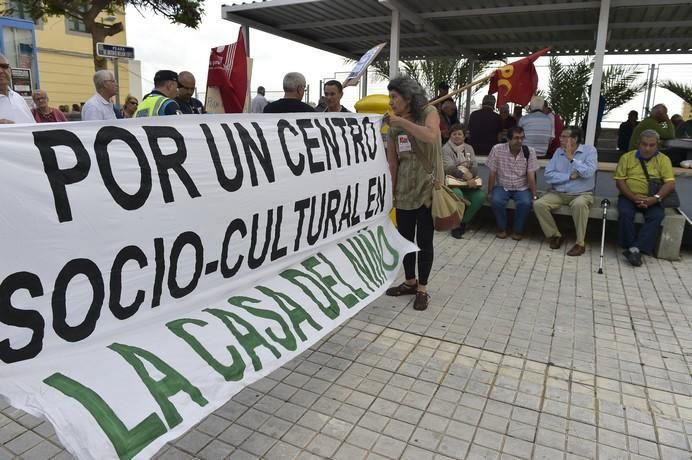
418	223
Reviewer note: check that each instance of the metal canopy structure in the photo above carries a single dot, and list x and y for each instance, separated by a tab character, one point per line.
491	29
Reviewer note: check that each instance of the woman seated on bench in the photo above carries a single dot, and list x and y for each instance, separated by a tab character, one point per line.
460	162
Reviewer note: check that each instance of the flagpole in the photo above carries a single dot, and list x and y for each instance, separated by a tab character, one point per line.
465	87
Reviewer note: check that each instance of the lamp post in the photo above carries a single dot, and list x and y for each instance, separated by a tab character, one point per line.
110	20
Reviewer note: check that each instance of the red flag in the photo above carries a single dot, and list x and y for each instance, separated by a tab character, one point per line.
516	82
228	72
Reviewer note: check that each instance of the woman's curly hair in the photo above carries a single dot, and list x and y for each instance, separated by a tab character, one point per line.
412	92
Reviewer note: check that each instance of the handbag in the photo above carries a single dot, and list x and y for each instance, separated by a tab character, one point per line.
447	208
671	201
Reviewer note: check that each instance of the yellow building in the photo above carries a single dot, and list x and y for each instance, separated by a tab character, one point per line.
65	60
686	111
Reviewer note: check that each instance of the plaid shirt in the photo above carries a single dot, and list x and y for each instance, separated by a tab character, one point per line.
511	170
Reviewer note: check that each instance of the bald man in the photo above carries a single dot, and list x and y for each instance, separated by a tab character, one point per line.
186	89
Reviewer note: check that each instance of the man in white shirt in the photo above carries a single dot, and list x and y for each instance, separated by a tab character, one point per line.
99	106
259	102
13	108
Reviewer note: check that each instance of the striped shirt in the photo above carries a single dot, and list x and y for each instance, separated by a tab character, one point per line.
511	170
539	129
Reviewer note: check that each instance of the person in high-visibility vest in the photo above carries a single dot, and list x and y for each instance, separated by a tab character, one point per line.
161	100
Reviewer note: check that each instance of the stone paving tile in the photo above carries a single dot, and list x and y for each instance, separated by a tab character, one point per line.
524	353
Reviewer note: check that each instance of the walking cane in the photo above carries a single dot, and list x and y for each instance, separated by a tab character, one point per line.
604	205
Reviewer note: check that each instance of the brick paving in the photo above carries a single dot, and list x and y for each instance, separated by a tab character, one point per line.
524	353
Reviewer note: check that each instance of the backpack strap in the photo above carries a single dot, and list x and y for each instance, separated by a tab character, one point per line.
525	149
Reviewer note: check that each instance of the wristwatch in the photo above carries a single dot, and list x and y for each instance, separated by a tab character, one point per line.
658	197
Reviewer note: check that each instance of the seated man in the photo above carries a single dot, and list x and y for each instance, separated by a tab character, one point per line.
572	175
512	176
631	181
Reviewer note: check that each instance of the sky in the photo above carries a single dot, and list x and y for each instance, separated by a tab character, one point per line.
161	45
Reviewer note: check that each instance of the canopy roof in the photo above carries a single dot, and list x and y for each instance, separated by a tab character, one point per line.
490	29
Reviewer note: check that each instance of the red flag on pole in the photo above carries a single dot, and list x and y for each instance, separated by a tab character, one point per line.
228	72
516	82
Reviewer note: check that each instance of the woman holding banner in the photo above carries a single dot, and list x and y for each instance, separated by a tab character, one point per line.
414	153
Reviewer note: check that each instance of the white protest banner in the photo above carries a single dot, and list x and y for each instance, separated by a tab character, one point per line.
152	268
363	64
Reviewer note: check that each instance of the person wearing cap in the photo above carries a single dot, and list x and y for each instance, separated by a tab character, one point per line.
161	100
99	106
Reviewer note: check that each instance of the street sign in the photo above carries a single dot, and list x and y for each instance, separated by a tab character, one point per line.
114	51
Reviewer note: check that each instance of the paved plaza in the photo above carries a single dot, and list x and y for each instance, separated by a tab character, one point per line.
523	353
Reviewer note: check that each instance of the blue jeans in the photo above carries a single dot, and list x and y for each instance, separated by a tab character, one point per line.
627	235
522	201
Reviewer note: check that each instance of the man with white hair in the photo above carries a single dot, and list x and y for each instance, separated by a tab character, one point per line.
658	121
13	108
294	90
99	106
538	127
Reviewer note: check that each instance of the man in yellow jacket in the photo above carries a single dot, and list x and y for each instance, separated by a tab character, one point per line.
161	100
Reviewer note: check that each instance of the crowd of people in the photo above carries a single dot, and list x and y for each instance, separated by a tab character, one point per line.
294	85
667	127
426	144
173	94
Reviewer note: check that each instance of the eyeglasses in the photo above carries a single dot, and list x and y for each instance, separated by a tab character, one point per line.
518	138
4	66
133	102
189	88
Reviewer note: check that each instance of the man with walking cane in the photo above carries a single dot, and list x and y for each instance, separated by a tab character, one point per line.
645	179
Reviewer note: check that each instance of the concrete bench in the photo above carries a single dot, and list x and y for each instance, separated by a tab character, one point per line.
672	226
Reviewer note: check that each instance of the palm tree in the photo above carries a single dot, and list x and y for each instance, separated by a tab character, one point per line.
430	72
620	85
681	90
568	87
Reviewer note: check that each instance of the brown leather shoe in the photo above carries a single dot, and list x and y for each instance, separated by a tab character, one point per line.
555	242
402	289
421	301
517	236
576	250
501	234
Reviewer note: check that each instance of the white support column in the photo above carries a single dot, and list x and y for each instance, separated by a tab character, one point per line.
597	71
364	84
394	44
